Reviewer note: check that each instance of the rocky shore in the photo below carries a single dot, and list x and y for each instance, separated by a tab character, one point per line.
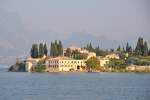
18	67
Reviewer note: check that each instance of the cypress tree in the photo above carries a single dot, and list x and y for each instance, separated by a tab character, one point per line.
34	51
145	49
45	49
119	48
55	49
68	53
149	52
123	50
139	47
127	47
52	49
60	48
97	51
41	50
90	47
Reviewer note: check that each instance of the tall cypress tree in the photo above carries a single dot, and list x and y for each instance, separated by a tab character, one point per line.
56	49
139	47
145	49
119	48
60	48
45	49
127	47
34	51
52	49
97	51
123	50
90	47
41	50
149	52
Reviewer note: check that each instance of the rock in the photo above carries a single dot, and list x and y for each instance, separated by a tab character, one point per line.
19	67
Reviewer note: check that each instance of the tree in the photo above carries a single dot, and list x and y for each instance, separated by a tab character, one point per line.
119	48
56	49
123	50
149	52
89	47
34	51
41	50
40	67
81	56
139	47
60	48
93	63
45	49
75	54
68	53
145	49
112	50
127	47
51	49
97	50
117	64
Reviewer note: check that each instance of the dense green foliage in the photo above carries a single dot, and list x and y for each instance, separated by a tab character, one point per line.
119	48
129	49
41	50
117	64
45	49
34	51
93	63
141	48
38	51
40	66
68	53
97	50
145	49
75	54
56	49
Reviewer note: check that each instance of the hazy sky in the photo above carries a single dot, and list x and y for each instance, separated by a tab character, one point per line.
116	20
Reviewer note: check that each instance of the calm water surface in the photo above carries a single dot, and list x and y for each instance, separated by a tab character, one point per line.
74	86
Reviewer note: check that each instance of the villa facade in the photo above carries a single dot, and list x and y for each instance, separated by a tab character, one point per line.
64	64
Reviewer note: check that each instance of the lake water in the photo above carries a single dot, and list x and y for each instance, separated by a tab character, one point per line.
74	86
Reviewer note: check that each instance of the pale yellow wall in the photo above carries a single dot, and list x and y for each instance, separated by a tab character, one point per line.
64	65
28	66
103	62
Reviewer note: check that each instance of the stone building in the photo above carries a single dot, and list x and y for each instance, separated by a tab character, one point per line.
64	64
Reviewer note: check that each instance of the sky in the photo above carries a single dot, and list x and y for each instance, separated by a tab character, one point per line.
107	23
